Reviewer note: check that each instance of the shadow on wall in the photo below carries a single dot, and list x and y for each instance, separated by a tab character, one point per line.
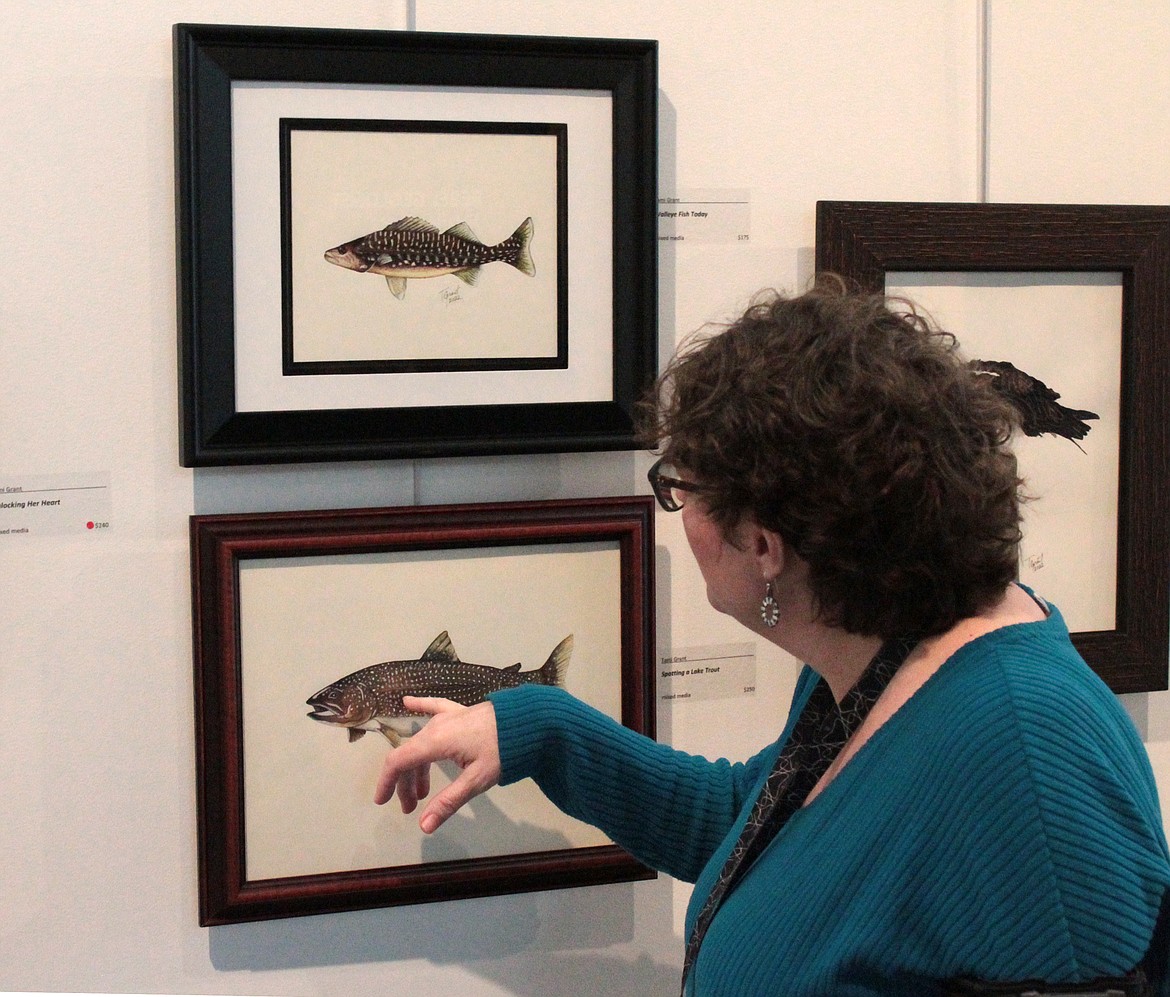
475	830
529	944
565	974
667	250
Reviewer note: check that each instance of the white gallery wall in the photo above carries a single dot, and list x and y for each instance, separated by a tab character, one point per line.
792	101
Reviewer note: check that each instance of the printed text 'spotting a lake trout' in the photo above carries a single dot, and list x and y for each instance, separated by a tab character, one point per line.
411	248
371	699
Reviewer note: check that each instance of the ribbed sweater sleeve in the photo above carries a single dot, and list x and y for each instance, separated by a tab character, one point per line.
668	808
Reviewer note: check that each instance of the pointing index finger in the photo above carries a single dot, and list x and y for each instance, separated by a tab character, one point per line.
430	704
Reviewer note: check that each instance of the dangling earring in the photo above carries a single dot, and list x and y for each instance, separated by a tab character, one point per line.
769	608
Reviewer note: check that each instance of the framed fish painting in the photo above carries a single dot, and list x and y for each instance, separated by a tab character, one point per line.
409	244
1065	309
334	324
293	721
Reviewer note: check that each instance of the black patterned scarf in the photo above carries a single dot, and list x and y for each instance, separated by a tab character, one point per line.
820	732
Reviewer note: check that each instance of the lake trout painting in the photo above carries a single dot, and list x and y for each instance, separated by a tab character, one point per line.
412	248
371	699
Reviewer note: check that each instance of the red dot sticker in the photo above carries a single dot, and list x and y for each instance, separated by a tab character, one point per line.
89	525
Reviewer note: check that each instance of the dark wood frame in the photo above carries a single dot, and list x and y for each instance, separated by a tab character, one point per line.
865	240
220	543
209	58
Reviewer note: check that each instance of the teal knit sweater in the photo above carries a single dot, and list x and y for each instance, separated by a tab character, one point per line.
1003	824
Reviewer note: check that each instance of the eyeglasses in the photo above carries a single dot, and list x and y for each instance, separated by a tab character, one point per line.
669	490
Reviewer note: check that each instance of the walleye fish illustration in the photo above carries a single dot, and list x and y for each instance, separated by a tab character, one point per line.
411	248
371	699
1036	403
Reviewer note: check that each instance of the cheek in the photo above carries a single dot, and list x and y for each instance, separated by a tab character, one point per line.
700	536
712	556
726	569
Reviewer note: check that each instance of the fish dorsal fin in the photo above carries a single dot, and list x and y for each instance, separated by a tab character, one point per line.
512	668
461	230
440	650
411	224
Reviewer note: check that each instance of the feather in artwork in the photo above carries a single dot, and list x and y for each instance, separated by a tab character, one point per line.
1037	404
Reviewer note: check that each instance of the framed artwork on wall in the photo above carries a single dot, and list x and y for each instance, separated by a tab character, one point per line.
405	244
292	722
332	325
1067	308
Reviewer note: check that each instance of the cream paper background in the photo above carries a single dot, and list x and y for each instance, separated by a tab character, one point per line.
306	622
348	184
1064	329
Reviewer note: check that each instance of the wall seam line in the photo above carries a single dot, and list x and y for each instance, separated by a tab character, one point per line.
983	123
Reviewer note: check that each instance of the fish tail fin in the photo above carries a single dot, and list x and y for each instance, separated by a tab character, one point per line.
552	672
522	237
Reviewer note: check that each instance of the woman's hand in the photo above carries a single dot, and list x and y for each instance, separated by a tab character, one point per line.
465	735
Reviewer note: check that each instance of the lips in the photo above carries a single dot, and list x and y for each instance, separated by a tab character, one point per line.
325	712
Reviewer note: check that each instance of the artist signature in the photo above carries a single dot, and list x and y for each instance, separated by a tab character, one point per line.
450	296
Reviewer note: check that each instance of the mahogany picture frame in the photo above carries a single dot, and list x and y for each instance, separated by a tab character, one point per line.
864	241
309	552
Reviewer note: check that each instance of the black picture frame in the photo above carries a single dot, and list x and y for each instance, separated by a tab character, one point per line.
863	241
435	539
210	61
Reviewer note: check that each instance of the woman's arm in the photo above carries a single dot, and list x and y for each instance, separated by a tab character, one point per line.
667	808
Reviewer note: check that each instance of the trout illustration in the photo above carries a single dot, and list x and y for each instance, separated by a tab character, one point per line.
411	248
371	699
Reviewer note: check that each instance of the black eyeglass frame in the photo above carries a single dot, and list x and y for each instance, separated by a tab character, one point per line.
661	484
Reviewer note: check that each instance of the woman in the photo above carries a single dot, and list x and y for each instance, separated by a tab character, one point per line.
955	793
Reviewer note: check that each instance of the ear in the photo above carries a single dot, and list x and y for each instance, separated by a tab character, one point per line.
769	550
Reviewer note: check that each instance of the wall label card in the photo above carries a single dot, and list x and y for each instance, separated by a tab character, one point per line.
705	215
719	671
53	504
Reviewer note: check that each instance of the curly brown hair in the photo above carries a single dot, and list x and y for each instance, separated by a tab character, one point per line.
852	427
